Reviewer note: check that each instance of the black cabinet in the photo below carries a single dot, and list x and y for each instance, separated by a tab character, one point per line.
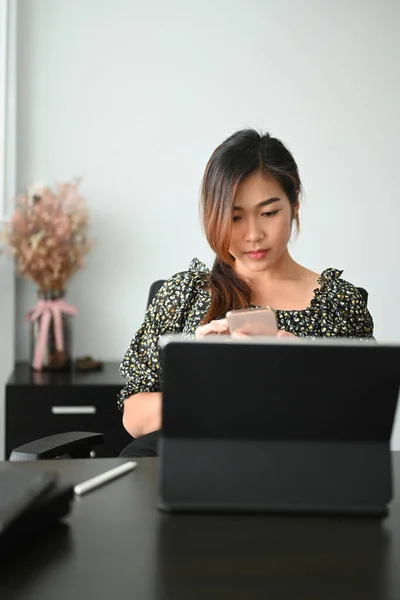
42	404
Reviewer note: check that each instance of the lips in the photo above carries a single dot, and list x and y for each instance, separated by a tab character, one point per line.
257	254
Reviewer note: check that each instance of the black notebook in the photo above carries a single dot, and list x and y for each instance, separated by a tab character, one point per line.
30	502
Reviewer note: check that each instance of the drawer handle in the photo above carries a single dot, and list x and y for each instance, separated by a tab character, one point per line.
73	410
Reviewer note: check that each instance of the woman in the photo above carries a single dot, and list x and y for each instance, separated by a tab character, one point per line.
250	202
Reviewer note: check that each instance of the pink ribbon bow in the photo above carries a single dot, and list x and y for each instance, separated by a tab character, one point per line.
45	310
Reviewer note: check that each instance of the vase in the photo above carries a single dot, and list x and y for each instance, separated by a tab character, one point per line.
51	338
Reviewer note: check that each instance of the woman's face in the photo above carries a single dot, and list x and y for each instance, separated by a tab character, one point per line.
262	223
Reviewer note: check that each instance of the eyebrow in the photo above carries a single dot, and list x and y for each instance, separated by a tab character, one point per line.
263	203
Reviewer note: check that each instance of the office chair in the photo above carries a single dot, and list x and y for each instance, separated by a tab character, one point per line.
79	444
364	294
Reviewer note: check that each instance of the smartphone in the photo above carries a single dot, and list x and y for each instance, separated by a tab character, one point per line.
256	321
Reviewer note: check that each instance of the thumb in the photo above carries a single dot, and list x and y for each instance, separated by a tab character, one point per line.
283	333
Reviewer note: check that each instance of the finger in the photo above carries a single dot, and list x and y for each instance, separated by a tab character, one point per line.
285	334
239	335
221	322
221	325
210	328
202	331
218	328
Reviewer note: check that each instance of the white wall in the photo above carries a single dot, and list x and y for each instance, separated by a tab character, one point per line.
136	95
7	190
6	336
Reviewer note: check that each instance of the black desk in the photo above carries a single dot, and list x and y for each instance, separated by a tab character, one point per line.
117	546
42	404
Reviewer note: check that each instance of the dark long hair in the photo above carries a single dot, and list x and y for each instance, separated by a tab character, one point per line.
243	153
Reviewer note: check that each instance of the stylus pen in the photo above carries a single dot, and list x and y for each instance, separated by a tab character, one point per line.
95	482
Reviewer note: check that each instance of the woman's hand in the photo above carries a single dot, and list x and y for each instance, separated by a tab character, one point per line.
240	335
220	327
213	328
282	333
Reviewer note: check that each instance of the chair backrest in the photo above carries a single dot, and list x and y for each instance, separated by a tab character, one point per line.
153	290
364	294
157	285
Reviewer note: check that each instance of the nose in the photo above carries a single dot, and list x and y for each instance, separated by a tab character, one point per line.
253	232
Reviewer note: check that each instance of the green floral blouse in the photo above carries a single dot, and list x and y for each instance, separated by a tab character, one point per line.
337	309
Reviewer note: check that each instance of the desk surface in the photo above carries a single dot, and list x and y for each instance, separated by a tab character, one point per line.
117	546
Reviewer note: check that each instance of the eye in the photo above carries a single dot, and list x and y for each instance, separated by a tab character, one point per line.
236	218
271	213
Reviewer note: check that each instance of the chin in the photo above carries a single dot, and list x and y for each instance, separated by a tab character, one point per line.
260	266
256	265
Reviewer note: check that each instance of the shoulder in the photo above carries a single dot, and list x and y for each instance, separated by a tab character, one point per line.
179	285
342	297
196	275
197	272
347	305
336	288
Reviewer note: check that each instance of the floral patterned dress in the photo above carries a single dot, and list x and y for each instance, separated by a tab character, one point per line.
337	309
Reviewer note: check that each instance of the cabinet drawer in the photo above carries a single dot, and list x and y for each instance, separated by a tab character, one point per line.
50	410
